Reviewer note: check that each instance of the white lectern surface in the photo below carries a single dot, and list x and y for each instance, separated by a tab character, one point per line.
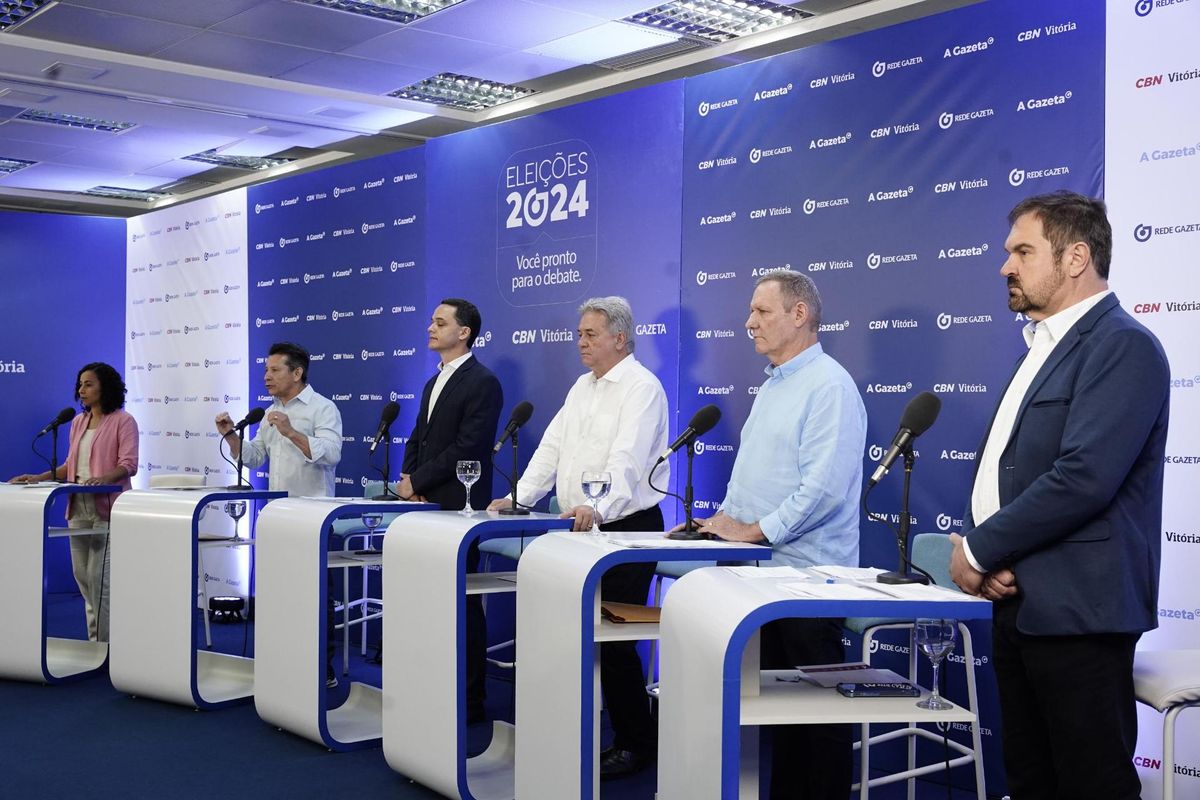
289	635
26	653
153	621
558	626
710	684
424	667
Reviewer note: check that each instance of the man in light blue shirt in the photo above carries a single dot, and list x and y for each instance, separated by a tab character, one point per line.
795	486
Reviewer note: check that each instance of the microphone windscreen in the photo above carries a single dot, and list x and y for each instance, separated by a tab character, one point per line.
390	412
255	416
65	416
921	412
522	413
704	419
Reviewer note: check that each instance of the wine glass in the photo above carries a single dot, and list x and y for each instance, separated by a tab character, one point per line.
371	520
236	509
595	489
935	638
468	473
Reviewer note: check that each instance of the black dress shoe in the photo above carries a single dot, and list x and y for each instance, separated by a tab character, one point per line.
616	763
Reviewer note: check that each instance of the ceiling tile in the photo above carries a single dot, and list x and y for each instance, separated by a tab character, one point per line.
31	151
356	74
102	29
609	9
52	177
432	51
235	53
303	25
521	66
174	170
605	41
107	160
46	133
510	23
182	12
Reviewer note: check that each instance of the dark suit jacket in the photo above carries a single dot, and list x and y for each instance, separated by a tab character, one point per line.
1081	483
463	427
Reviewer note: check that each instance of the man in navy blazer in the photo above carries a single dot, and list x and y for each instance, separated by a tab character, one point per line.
1064	526
457	420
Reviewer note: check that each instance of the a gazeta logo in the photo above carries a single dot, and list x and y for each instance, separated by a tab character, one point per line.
810	206
703	108
944	521
875	453
701	278
1142	233
945	120
1016	177
698	447
878	68
944	321
873	261
1143	7
755	155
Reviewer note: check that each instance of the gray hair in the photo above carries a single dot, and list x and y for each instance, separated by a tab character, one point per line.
796	287
618	313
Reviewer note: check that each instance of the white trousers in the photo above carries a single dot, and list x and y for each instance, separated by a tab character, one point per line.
89	565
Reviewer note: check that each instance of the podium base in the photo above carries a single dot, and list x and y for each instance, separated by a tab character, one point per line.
243	487
688	536
900	577
386	498
514	512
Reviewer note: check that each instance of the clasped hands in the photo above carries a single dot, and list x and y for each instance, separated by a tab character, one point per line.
997	585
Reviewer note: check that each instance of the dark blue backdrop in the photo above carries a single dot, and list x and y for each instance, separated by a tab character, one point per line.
43	266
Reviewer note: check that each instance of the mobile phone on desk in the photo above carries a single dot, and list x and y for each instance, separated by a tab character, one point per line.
878	690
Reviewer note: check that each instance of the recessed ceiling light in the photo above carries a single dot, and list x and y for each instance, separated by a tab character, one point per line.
10	165
75	121
121	193
461	91
717	20
238	162
402	11
15	11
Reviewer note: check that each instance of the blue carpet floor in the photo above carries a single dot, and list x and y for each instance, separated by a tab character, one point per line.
85	739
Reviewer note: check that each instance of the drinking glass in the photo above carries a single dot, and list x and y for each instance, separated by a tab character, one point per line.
236	509
371	520
468	473
935	638
595	488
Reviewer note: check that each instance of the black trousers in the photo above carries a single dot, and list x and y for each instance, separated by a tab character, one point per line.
622	677
1069	713
476	642
808	762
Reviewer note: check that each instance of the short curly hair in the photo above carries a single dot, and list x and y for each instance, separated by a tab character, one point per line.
112	388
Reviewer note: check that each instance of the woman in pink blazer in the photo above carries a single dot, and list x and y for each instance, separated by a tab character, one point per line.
103	451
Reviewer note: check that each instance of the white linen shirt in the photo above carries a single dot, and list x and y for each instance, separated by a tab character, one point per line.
615	424
317	418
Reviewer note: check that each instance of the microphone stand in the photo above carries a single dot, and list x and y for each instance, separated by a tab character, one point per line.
515	510
902	575
388	495
54	455
241	484
689	531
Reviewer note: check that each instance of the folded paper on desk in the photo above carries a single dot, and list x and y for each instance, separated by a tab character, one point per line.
629	612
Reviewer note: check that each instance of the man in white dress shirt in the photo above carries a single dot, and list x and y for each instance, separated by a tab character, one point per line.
301	435
614	420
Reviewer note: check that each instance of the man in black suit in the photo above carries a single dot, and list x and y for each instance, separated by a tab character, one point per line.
460	408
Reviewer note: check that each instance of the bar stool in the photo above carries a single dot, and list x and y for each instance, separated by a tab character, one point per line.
1167	680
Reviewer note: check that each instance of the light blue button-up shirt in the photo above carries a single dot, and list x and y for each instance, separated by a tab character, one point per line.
317	418
798	471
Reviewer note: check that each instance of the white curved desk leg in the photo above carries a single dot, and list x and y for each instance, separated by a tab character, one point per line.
424	665
27	653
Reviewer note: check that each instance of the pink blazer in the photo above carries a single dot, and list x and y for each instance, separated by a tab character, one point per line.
115	443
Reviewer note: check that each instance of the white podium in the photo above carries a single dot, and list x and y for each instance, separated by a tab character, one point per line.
27	653
710	684
289	635
154	634
558	627
424	666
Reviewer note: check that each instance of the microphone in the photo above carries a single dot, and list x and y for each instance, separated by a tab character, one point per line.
253	418
918	415
66	415
390	412
702	422
520	415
